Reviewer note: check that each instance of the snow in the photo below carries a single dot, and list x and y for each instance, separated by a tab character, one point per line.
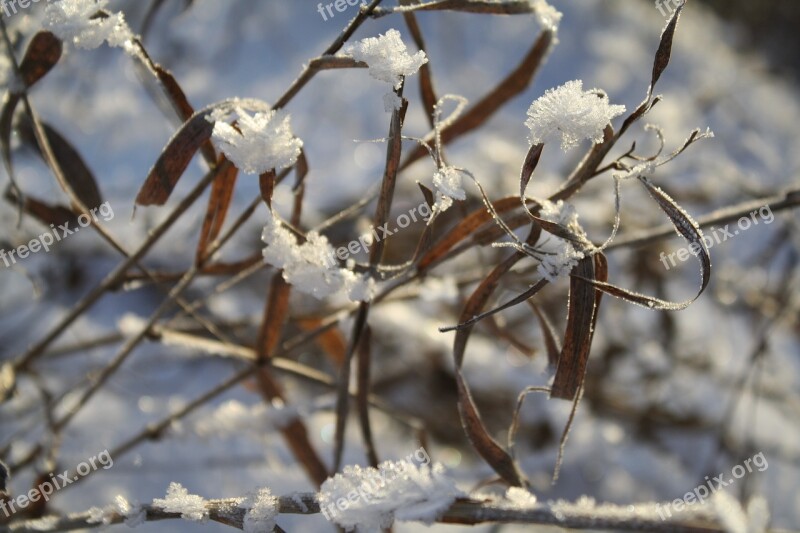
310	266
135	515
559	262
178	500
391	102
447	181
571	114
263	142
234	417
71	21
518	498
387	57
374	497
546	15
262	508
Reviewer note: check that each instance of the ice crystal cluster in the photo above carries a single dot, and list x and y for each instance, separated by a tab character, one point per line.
562	255
387	57
570	114
259	143
310	266
72	21
396	490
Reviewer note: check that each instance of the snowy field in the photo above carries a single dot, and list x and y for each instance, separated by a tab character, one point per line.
671	398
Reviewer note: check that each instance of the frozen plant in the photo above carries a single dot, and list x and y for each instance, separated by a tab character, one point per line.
387	57
262	508
73	21
375	497
309	267
447	181
259	143
178	500
570	114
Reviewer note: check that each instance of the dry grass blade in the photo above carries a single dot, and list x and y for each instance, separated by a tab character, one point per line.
362	395
182	147
551	342
471	420
571	367
77	174
483	7
218	204
515	83
465	229
426	89
664	51
43	53
43	212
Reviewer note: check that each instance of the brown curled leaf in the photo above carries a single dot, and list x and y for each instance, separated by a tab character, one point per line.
218	203
182	147
42	55
574	356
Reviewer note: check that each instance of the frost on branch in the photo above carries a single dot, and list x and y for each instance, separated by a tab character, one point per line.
375	497
447	181
71	21
547	16
262	508
561	256
570	114
178	500
387	57
261	143
310	267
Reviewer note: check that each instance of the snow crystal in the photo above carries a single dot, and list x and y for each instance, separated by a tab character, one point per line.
178	500
546	15
372	498
310	266
71	21
262	142
387	57
571	114
262	508
560	262
100	516
135	515
391	102
645	168
447	181
560	213
519	498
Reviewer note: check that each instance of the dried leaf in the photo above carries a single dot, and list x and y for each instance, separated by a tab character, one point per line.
42	55
218	204
183	146
664	51
571	367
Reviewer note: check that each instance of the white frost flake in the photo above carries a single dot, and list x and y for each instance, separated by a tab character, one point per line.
519	498
263	142
562	256
447	181
178	500
387	57
71	21
571	114
398	490
262	508
135	515
546	15
311	266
